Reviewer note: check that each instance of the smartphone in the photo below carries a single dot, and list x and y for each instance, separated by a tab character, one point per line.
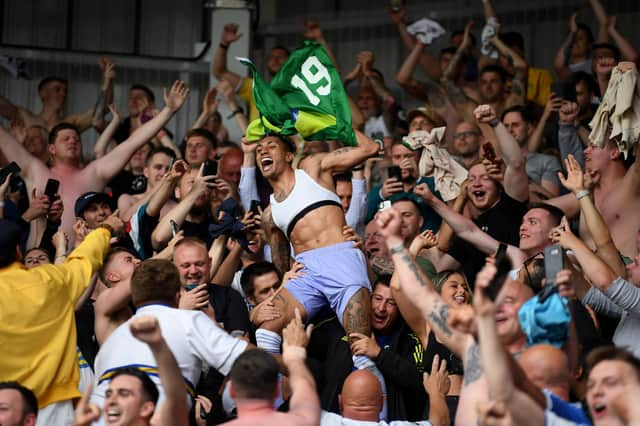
380	143
553	262
210	168
384	205
503	265
255	204
174	227
394	172
489	152
189	287
564	90
51	189
12	168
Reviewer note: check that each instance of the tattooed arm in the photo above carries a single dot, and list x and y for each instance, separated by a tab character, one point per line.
417	288
345	158
277	241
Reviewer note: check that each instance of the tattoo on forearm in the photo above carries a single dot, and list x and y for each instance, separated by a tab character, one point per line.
473	367
357	315
439	315
412	266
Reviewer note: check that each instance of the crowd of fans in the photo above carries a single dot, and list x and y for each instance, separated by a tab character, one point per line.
475	260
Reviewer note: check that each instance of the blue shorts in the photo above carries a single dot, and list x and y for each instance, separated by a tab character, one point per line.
332	275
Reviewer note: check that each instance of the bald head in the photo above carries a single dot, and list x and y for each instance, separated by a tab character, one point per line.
231	164
361	397
547	367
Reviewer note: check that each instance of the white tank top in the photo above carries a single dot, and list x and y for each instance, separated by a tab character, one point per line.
305	196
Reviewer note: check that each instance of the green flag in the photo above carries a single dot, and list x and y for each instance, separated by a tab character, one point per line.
309	88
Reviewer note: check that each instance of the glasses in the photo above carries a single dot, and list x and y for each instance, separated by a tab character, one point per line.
465	134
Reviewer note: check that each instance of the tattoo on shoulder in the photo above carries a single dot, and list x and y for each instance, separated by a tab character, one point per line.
439	316
473	367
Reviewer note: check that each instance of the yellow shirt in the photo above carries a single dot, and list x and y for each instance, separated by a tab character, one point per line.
246	93
539	85
37	326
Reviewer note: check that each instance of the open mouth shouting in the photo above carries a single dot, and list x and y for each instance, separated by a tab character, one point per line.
266	163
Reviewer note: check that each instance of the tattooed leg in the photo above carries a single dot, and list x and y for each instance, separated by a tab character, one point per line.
357	315
286	304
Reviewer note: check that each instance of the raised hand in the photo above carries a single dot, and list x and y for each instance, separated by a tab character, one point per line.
210	102
38	206
466	38
202	184
80	230
424	192
230	34
553	105
389	223
85	412
423	241
568	112
312	30
248	147
495	169
391	186
573	23
625	66
485	114
178	169
108	68
366	59
146	329
54	214
351	235
398	15
224	87
562	235
174	99
482	304
574	181
438	382
355	72
564	283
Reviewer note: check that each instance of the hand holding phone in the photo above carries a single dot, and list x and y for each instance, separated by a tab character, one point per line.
51	189
394	172
503	266
210	168
489	152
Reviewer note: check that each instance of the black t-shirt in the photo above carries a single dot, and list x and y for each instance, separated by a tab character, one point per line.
502	222
199	230
126	182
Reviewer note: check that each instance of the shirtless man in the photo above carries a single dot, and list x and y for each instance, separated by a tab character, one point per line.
156	166
112	305
616	192
66	152
53	93
306	213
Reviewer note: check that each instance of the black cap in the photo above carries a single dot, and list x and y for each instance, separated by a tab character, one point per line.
9	235
85	200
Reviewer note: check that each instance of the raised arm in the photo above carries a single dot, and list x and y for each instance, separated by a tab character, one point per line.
496	361
112	163
219	66
516	182
179	213
230	99
345	158
594	268
605	248
535	141
603	21
101	146
14	151
563	55
404	77
416	287
313	31
518	94
460	100
629	52
175	409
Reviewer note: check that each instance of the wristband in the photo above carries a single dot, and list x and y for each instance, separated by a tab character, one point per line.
397	249
494	122
233	114
581	194
223	46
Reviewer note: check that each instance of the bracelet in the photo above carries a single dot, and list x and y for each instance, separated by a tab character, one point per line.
397	249
581	194
494	122
223	46
233	114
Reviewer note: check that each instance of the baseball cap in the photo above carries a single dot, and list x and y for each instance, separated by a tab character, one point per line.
84	201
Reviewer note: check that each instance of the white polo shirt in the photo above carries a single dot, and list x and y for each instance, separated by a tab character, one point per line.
197	343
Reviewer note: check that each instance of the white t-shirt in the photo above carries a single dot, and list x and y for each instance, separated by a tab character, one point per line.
332	419
196	342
